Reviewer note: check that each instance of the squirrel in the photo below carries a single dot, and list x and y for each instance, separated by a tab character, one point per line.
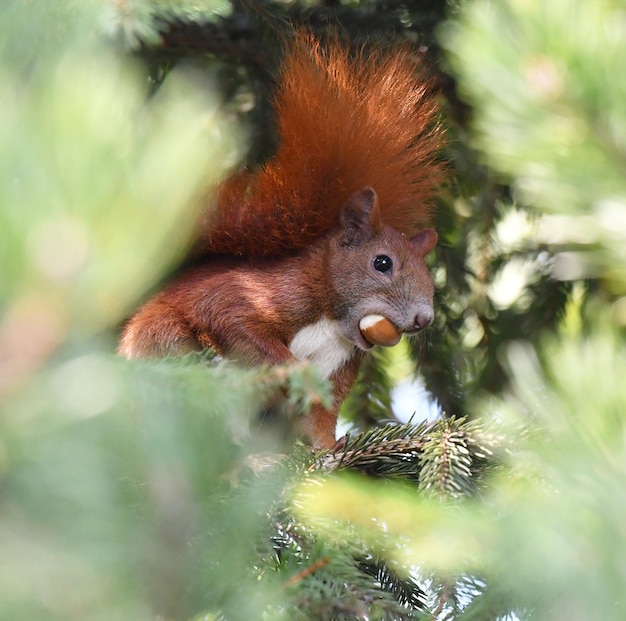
318	254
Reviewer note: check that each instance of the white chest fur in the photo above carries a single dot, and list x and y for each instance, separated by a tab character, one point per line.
323	345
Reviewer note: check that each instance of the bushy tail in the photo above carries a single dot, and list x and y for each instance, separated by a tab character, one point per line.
344	122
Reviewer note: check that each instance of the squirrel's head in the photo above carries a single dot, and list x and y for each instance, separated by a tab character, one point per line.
381	284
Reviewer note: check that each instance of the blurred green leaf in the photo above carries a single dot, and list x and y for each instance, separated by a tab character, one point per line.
549	527
549	97
99	182
87	163
138	490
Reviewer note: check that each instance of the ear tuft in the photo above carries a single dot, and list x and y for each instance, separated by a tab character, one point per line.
360	217
425	241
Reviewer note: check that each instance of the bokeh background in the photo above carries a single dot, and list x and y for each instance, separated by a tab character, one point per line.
146	490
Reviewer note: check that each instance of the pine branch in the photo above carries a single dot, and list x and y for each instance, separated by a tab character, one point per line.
447	462
390	451
446	458
345	578
167	28
229	37
338	580
406	590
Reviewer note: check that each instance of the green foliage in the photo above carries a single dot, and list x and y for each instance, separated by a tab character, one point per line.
548	528
448	458
110	471
139	22
86	162
145	490
332	570
543	540
550	92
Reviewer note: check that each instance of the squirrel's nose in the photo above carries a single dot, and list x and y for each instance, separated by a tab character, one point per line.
423	318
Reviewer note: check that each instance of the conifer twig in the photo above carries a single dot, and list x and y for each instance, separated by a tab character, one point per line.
444	457
306	572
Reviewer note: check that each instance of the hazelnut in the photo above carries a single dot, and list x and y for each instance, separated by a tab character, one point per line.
379	331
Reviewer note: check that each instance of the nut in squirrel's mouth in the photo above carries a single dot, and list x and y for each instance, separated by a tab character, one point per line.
378	330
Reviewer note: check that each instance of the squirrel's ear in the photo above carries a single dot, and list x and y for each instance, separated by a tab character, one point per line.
425	241
360	217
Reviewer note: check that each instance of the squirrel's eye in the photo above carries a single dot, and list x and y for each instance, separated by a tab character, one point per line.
383	263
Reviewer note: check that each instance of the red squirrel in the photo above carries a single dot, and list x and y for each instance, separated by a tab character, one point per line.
299	258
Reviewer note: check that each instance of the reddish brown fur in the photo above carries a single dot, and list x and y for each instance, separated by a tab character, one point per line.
299	238
253	310
239	310
344	122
